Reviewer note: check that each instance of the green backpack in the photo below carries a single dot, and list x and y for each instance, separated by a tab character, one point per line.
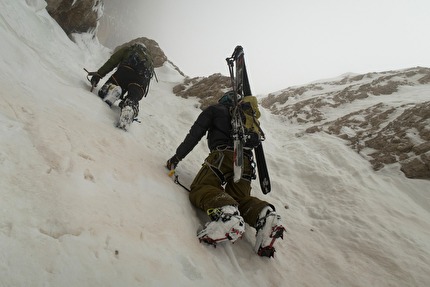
250	114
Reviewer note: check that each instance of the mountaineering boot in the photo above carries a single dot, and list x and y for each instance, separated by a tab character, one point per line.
129	111
110	93
226	224
268	230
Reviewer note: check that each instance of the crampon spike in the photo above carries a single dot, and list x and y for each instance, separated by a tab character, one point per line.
269	250
208	241
213	242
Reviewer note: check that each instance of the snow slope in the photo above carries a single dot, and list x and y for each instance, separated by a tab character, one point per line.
85	204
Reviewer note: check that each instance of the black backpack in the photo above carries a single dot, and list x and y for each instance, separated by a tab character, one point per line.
140	60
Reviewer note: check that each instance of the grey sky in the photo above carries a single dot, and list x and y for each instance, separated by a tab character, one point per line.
286	42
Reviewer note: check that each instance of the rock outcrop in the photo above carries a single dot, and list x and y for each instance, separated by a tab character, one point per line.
207	89
157	54
76	16
369	112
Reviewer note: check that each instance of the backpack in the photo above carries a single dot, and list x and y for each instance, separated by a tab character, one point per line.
249	113
140	60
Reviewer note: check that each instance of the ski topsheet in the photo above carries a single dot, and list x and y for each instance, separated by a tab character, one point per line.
240	83
237	59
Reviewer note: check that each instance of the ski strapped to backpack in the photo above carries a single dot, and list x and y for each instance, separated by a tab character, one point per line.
246	130
236	121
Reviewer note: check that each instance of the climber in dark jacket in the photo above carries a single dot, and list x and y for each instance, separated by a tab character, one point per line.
134	72
229	204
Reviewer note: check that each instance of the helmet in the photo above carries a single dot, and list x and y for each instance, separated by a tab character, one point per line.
228	98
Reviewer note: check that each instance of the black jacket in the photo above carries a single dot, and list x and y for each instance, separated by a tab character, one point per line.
216	120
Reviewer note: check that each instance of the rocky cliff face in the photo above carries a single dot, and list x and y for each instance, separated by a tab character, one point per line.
381	115
82	16
207	89
76	16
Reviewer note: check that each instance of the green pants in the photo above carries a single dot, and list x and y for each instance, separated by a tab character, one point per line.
207	190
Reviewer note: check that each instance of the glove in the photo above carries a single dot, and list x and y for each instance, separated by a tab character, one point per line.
95	79
172	163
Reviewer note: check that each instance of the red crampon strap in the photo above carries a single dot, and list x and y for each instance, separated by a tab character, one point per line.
206	239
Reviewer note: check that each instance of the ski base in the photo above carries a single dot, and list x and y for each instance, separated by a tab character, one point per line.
263	173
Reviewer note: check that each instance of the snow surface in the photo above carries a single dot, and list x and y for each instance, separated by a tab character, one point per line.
85	204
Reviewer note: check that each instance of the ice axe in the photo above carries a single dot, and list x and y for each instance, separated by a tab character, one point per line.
88	78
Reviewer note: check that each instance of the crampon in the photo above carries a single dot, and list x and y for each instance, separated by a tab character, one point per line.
226	225
269	250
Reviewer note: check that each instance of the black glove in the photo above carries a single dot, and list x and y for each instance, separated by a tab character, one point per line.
172	163
95	79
